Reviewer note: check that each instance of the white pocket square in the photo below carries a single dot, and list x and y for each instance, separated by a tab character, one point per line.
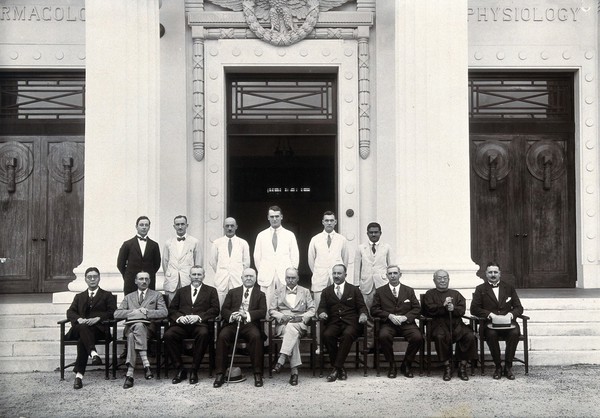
508	300
407	300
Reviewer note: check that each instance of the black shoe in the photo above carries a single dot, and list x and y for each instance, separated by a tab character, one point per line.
193	377
447	373
181	375
219	380
96	361
294	380
342	375
258	382
148	373
333	376
406	371
392	372
277	368
128	382
78	383
497	373
509	373
462	373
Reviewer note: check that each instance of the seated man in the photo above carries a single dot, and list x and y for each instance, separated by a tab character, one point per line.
86	313
139	307
190	310
446	307
342	307
292	307
498	300
397	307
245	305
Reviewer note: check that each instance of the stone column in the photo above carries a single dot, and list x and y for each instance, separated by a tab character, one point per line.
122	132
431	187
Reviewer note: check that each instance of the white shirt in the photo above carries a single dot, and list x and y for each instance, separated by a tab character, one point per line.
341	286
179	245
142	243
197	293
397	289
290	298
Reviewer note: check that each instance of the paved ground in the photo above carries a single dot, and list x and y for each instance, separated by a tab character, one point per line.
546	392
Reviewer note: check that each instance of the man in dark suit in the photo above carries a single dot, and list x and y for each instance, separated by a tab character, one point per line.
190	310
245	305
342	307
86	313
139	253
446	307
498	302
397	307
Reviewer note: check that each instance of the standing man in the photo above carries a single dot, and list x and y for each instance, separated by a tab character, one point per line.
139	253
245	305
325	250
370	264
446	307
498	302
229	256
397	307
342	308
139	307
179	255
86	313
292	308
189	312
275	250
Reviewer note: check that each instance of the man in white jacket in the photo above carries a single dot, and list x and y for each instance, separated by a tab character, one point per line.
229	257
179	255
276	250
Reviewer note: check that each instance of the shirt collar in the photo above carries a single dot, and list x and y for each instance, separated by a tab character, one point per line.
494	285
294	290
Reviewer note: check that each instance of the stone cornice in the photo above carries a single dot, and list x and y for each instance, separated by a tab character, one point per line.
236	19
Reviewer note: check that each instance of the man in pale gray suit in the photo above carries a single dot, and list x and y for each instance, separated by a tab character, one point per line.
139	308
229	257
179	255
292	307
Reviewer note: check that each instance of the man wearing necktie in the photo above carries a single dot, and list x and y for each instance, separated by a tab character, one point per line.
229	256
495	298
180	253
343	308
139	253
245	305
86	313
397	306
189	312
275	250
139	308
292	308
370	266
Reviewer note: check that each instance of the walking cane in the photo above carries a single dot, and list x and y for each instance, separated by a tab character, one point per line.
237	331
451	342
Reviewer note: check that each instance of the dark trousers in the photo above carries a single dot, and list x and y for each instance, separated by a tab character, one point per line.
87	337
466	343
347	335
173	342
251	334
511	336
409	331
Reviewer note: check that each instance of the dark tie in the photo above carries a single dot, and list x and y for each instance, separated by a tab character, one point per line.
394	292
246	294
229	247
195	291
141	297
89	304
373	248
274	240
328	240
180	238
141	239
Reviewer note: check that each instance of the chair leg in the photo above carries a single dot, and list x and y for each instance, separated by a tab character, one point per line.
107	359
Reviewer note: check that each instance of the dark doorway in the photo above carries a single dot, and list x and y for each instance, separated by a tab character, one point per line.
281	150
522	177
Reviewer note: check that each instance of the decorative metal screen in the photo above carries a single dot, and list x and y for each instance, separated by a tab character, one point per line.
282	99
42	96
520	98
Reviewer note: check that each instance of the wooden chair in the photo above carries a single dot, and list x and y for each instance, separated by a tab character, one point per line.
377	326
360	354
275	342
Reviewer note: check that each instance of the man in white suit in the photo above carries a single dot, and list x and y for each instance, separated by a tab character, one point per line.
276	249
325	250
179	255
229	257
370	268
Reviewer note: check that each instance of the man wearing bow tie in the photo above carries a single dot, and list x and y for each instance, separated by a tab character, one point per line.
342	307
189	312
492	299
397	307
180	253
292	308
139	253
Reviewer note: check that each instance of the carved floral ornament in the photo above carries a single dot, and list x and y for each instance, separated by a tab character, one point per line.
282	16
